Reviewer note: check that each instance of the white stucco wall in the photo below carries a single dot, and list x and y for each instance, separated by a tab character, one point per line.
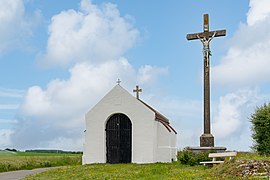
166	144
144	127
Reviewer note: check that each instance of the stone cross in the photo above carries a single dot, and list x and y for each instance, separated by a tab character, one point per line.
118	81
206	139
137	90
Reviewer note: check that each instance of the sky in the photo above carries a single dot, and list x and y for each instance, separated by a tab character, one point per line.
59	58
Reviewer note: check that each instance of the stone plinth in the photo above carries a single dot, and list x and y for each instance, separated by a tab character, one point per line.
207	140
206	149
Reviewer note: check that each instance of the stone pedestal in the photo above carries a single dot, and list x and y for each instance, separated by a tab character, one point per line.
207	140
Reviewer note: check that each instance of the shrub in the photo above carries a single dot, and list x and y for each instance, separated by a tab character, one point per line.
13	150
192	159
261	129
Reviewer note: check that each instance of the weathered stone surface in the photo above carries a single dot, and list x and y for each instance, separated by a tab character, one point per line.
206	149
207	140
253	168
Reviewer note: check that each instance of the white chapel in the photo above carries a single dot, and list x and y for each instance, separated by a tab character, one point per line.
123	129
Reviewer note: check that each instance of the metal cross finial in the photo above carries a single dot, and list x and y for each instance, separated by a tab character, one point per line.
118	81
137	90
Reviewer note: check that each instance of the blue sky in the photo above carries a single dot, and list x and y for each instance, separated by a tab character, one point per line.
58	59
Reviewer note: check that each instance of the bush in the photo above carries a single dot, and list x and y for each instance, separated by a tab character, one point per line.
192	159
13	150
261	129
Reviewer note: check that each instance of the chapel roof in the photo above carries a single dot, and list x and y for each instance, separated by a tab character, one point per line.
160	118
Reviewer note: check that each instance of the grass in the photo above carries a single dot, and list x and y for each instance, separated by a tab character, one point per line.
23	160
147	171
10	153
126	171
253	156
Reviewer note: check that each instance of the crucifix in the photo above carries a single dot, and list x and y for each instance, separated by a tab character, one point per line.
206	139
137	90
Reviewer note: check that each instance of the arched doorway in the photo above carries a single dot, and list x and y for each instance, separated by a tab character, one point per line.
118	139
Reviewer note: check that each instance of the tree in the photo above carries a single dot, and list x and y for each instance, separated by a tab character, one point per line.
261	129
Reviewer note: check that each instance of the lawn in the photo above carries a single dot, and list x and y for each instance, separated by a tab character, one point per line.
10	153
74	170
174	170
127	171
10	161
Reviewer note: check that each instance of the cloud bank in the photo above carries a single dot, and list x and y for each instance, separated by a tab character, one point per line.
246	66
91	42
93	34
16	25
247	61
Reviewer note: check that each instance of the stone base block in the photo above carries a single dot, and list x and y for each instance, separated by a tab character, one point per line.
207	140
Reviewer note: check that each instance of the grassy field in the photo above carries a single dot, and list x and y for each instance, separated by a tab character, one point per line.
74	170
9	153
10	161
147	171
127	171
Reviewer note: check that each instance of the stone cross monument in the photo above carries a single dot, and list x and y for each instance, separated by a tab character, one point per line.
206	139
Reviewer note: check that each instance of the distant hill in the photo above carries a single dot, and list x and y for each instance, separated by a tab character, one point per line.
53	151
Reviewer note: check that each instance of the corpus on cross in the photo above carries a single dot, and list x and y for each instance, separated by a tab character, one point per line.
206	139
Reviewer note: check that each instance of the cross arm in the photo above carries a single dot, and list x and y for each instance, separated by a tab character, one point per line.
206	34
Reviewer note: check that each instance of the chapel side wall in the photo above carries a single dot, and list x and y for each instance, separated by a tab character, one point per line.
173	146
166	144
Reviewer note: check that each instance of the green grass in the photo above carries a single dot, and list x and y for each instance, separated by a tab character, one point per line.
126	171
9	153
36	160
249	155
148	171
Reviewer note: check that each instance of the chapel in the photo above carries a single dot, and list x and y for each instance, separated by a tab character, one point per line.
121	128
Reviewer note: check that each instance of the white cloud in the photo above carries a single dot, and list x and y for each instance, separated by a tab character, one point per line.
5	140
93	34
92	42
65	101
15	24
247	61
66	143
149	74
232	117
58	111
259	11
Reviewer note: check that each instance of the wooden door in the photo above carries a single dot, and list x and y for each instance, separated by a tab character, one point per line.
118	139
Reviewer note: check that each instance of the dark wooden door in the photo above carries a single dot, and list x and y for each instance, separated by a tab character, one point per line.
118	139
